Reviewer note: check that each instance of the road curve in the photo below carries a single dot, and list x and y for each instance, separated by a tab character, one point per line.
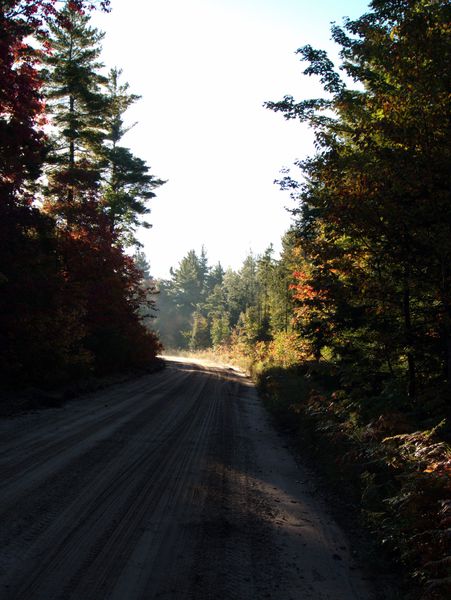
172	486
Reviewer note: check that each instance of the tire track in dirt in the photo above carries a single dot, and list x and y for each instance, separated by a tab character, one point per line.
170	463
169	487
28	427
117	482
34	449
27	515
238	541
31	465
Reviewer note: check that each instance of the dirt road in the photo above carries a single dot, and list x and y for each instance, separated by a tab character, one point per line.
172	486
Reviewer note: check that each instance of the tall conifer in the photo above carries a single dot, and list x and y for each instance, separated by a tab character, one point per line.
77	105
127	182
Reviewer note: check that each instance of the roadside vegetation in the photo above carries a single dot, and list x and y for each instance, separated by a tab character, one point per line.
348	332
72	297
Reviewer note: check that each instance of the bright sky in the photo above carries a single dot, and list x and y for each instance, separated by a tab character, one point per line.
204	69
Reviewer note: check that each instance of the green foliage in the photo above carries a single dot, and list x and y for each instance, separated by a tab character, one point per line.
128	185
200	333
372	283
397	484
201	305
220	329
75	99
70	297
373	229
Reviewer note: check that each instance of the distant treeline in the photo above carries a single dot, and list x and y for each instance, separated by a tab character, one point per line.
201	306
71	197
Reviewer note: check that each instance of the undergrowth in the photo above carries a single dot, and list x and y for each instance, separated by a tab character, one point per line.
395	475
390	462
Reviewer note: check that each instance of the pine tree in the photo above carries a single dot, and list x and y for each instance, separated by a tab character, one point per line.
215	276
188	282
104	280
77	104
128	185
181	299
200	332
280	289
220	329
40	328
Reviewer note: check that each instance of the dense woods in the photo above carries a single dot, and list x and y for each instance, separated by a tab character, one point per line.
71	199
201	306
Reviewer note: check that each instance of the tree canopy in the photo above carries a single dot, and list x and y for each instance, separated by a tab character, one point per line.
71	297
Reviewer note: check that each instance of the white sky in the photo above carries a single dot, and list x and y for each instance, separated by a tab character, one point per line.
204	69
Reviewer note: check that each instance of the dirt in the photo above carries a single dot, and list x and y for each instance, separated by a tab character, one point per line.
172	486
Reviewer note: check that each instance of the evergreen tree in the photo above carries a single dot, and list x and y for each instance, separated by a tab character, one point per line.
280	290
265	276
200	332
181	298
75	99
215	277
249	281
142	264
103	279
40	326
220	329
375	219
235	297
188	282
128	185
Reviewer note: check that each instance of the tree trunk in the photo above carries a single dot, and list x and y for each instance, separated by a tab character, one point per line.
411	370
70	191
446	329
448	357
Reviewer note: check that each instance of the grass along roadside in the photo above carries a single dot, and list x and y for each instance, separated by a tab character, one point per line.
391	477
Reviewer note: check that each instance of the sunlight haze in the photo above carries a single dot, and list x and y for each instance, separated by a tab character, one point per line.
203	70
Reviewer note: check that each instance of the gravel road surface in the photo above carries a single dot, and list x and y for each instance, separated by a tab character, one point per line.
170	486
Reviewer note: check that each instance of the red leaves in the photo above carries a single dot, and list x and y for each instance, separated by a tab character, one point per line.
307	295
69	294
304	290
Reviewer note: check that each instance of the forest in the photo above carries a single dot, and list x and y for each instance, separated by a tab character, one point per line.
347	332
72	197
202	307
